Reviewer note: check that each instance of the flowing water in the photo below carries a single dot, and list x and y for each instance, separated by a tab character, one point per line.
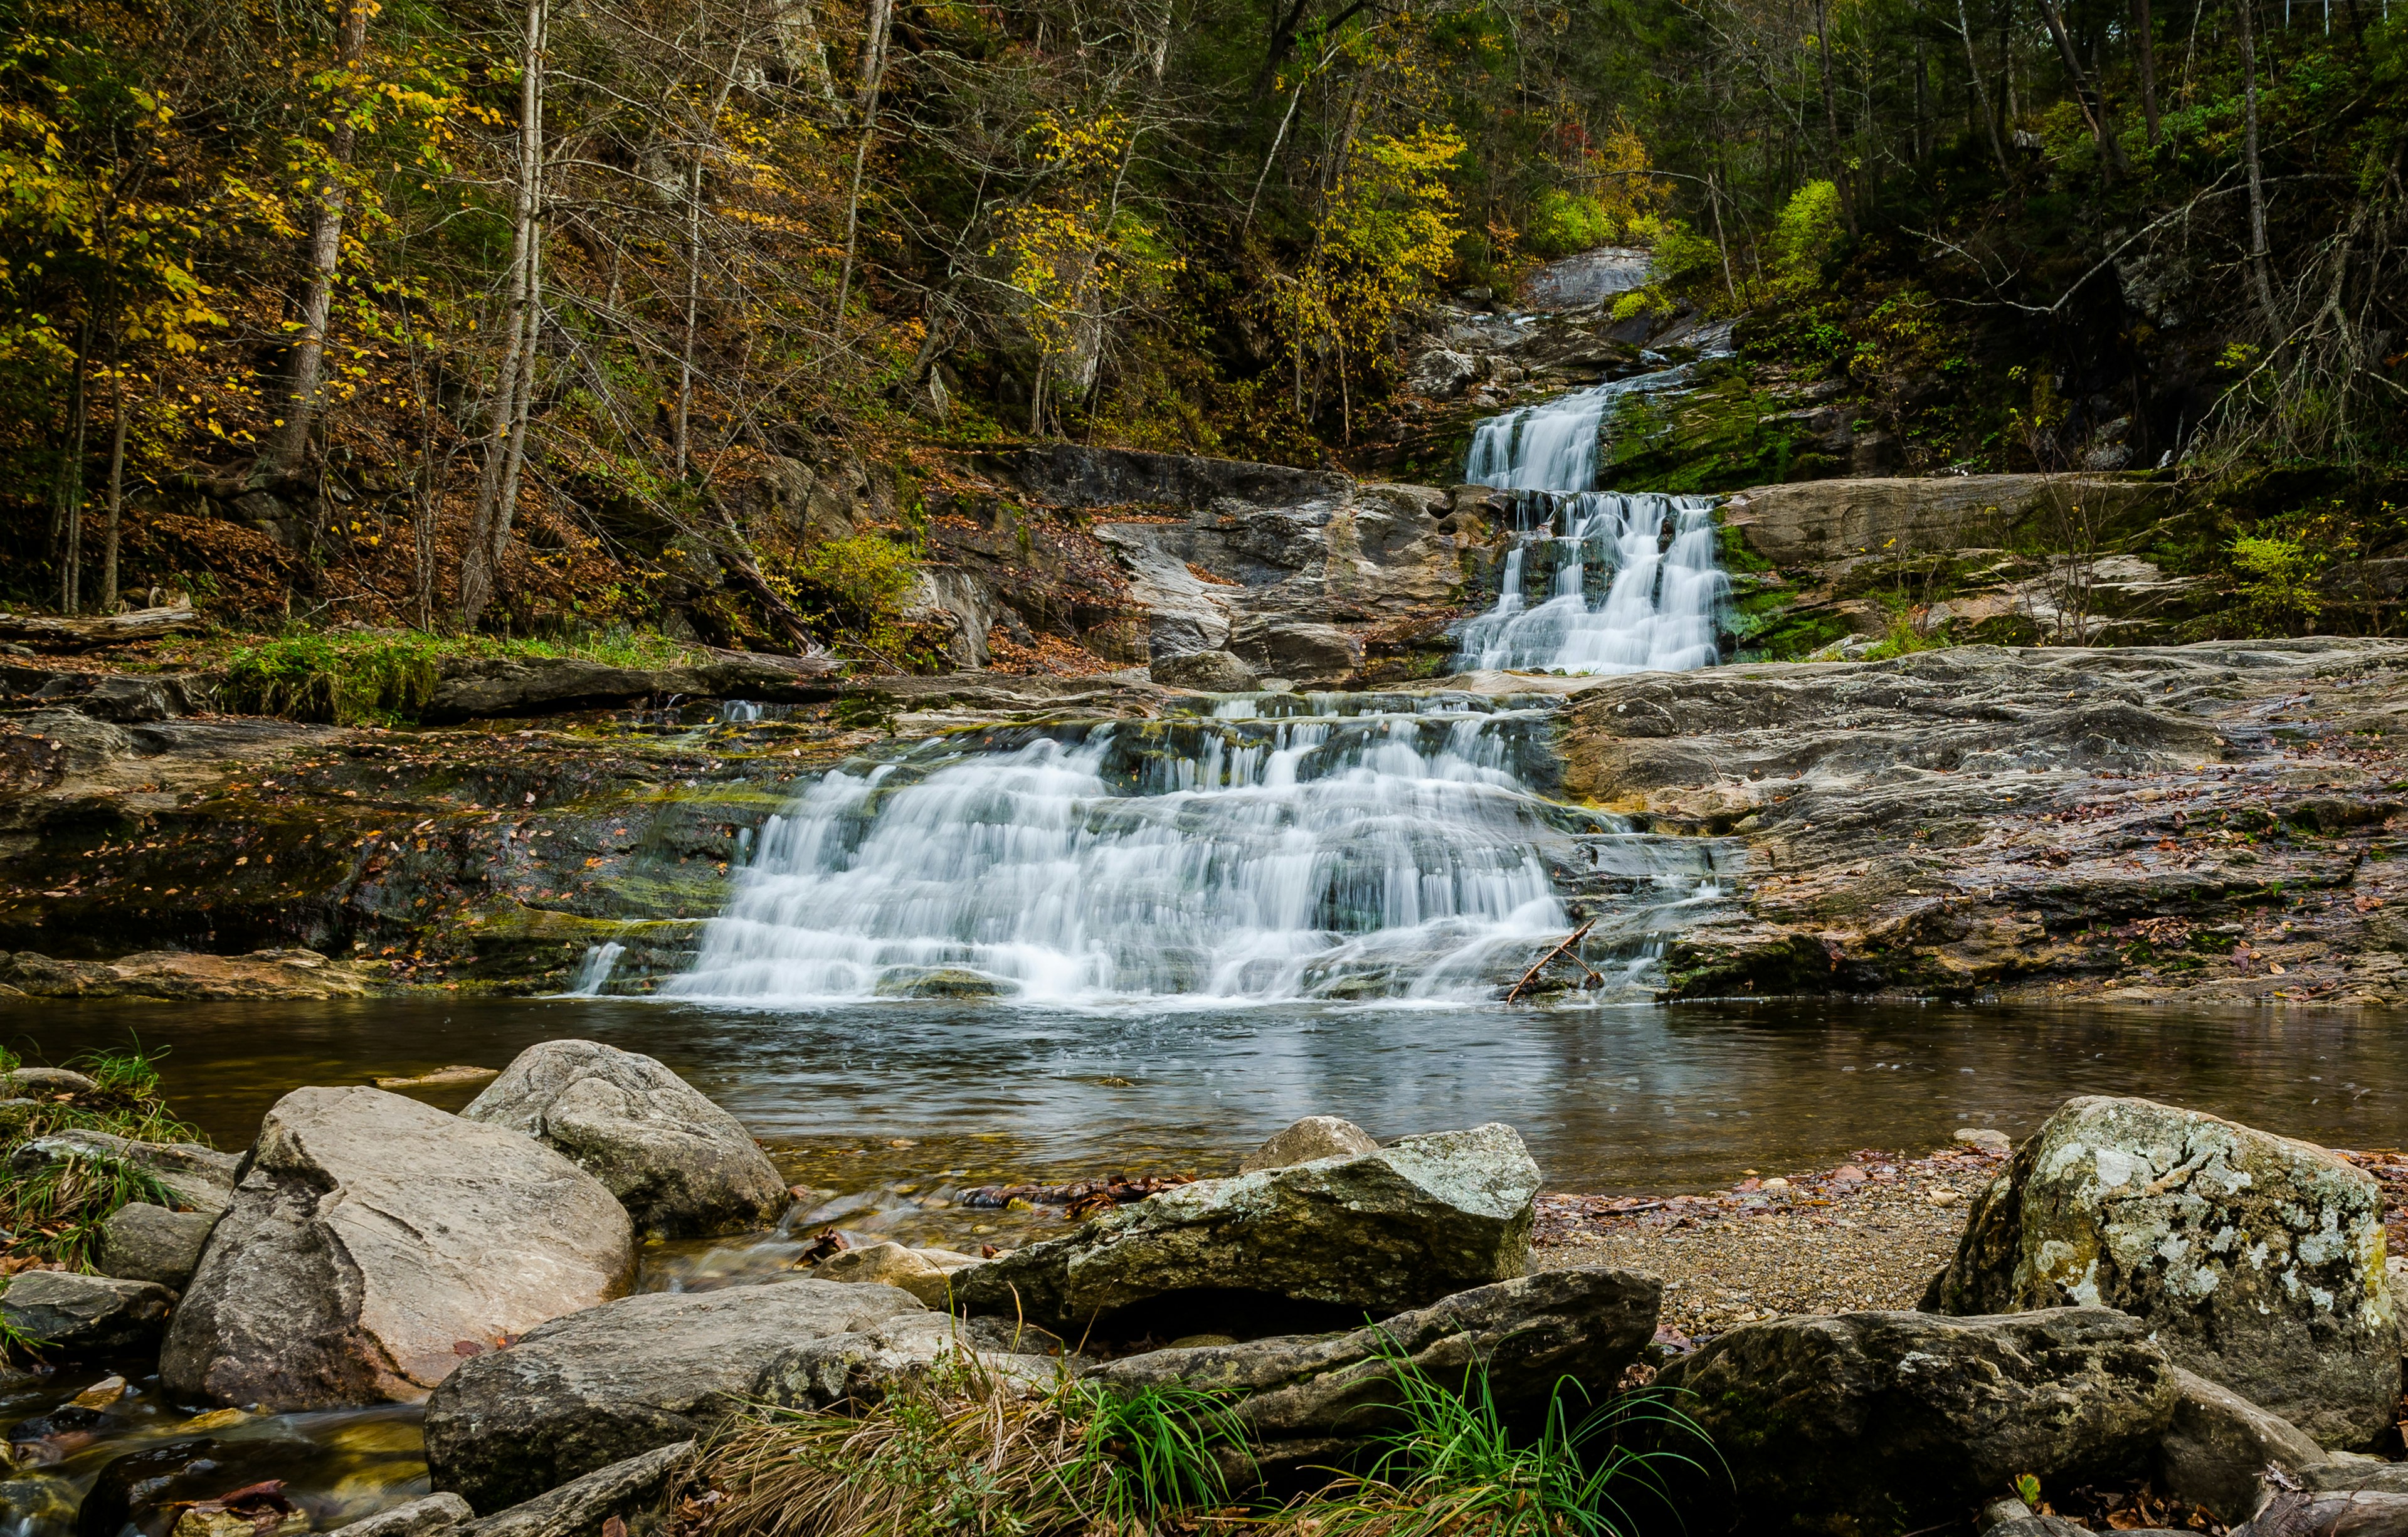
1650	559
1255	849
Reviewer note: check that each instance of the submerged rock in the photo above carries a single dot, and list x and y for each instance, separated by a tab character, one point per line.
2256	1260
925	1273
1314	1137
863	1367
681	1165
587	1391
142	1241
1406	1225
375	1243
85	1316
1899	1418
143	1489
943	982
1526	1335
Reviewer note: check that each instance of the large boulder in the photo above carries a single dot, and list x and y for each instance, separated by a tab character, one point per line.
597	1386
85	1316
1206	671
2256	1260
374	1244
1897	1419
681	1165
201	1178
863	1367
142	1241
1526	1335
1324	1243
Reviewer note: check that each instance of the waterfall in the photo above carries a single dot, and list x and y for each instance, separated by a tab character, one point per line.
593	972
1651	558
1258	849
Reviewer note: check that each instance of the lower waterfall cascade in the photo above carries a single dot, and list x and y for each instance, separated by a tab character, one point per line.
1252	848
1651	557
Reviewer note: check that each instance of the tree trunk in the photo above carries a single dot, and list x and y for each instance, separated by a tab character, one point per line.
2111	154
2146	58
489	525
116	497
1981	93
1831	112
873	74
68	490
2260	277
291	442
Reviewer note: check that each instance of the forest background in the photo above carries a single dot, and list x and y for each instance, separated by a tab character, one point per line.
510	320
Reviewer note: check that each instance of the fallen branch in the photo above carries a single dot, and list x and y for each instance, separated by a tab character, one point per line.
115	629
1544	961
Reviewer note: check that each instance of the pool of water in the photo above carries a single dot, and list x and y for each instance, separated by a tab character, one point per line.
883	1114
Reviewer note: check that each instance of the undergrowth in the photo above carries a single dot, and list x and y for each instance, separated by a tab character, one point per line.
965	1450
386	677
55	1211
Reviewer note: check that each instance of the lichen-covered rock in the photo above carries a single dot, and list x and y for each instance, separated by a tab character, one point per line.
2256	1260
374	1244
1314	1137
681	1165
85	1316
1395	1228
1895	1419
1525	1335
597	1386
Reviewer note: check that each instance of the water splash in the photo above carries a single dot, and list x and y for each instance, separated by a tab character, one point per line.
1651	558
1279	847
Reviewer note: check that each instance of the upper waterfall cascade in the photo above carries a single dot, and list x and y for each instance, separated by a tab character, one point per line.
1651	558
1285	846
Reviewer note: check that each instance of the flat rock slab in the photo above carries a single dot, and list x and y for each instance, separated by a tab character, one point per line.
582	1392
418	1518
86	1316
1904	1417
1528	1334
1416	1221
375	1243
180	976
2257	1260
681	1165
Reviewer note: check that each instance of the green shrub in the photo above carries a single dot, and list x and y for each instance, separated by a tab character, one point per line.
855	590
2277	584
1805	233
1563	222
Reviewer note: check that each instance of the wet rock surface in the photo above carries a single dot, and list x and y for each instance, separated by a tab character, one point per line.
1418	1219
374	1244
592	1388
2255	1259
681	1165
1882	1416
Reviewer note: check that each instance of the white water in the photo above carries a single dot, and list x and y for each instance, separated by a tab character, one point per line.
1379	847
1651	558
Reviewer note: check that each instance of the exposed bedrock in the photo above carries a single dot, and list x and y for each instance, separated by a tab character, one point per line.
2208	823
